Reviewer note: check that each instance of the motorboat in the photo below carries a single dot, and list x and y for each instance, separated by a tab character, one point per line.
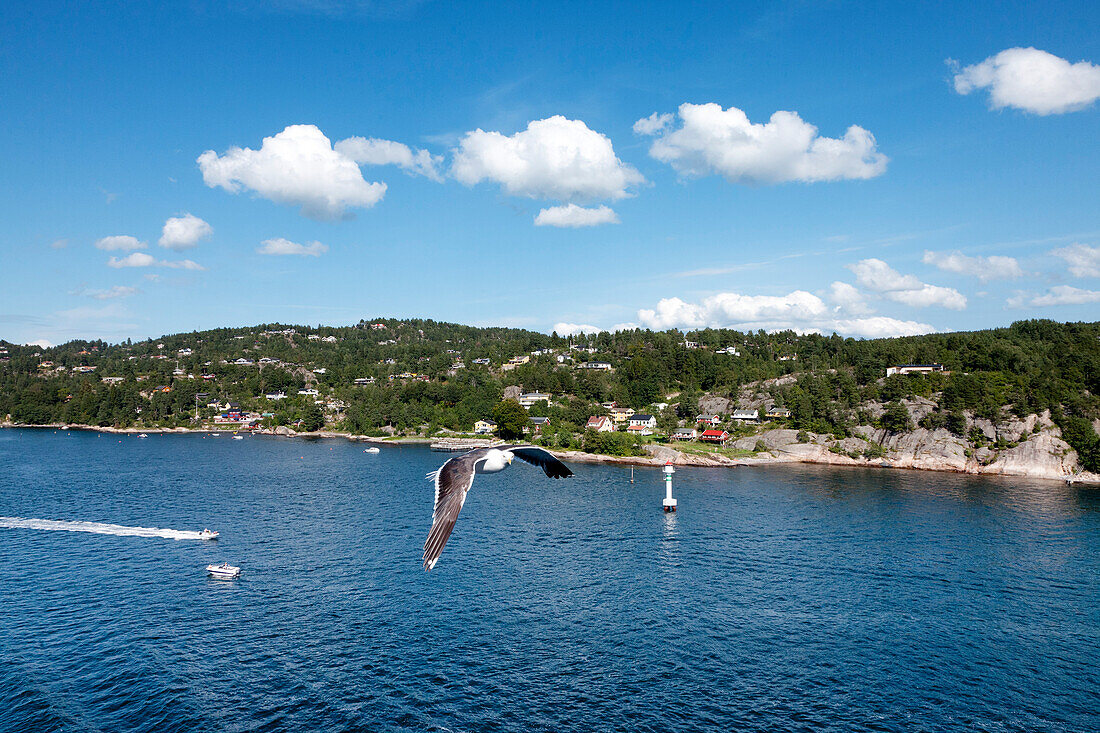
372	449
143	435
225	571
238	437
208	534
214	435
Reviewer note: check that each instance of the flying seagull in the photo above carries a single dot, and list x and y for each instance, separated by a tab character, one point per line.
455	477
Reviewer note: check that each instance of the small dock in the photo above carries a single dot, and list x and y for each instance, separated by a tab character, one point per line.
454	445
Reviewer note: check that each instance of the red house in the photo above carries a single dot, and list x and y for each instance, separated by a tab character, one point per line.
714	436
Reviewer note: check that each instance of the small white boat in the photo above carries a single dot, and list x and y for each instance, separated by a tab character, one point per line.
143	435
225	571
238	437
208	534
372	449
214	435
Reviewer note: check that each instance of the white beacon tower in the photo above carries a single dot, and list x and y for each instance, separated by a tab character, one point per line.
669	503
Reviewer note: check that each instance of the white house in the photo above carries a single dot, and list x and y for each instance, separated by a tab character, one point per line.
913	369
685	434
601	424
744	415
640	420
639	430
312	392
600	366
276	396
529	398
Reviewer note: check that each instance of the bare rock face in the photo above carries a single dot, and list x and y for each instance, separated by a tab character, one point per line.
1043	455
985	426
512	393
919	407
714	405
284	430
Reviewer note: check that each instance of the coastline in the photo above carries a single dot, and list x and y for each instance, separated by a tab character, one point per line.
779	454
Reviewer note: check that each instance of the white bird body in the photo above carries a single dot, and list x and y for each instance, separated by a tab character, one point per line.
455	477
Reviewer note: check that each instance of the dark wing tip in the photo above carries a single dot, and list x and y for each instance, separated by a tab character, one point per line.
542	458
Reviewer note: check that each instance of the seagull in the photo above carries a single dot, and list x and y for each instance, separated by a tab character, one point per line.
455	477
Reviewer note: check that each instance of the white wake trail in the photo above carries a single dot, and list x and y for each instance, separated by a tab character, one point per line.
97	528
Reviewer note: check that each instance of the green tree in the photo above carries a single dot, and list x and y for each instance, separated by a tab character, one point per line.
511	419
312	418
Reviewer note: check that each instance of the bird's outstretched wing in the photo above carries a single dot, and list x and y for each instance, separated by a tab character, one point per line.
452	481
536	456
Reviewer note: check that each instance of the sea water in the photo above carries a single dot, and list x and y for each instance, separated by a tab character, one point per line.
795	598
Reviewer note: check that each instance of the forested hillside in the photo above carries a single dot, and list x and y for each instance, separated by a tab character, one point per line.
423	375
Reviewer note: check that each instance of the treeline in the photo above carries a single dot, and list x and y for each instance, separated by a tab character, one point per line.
1026	368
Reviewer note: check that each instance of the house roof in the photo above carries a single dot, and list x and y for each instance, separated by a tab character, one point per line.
539	420
488	422
638	416
684	431
714	433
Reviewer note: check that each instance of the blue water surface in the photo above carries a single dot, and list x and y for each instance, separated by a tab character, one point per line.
795	598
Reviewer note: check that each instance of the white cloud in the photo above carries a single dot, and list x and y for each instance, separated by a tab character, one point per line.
116	291
799	310
654	124
571	329
713	140
122	242
373	151
184	232
574	216
847	299
1083	261
876	275
298	167
985	269
555	158
1032	80
59	244
1062	295
280	246
137	259
40	343
141	259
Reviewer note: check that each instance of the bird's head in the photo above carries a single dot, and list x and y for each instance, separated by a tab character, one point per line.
508	457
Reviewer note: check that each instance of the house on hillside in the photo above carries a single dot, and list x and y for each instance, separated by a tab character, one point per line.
529	398
640	420
777	413
913	369
621	414
538	423
685	434
717	436
708	419
276	395
484	427
600	366
744	415
600	423
639	430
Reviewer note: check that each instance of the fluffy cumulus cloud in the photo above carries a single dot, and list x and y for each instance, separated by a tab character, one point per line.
847	299
40	343
555	158
1032	80
282	246
799	310
571	329
184	232
1059	295
373	151
571	215
984	268
879	277
1083	261
298	167
142	259
120	243
712	140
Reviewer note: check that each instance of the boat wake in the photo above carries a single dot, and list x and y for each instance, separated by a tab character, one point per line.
97	528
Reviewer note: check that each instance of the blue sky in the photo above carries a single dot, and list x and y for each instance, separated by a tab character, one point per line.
932	166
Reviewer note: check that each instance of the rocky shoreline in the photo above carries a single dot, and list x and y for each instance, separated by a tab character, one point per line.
1039	454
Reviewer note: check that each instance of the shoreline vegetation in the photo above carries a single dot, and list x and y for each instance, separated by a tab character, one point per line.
1017	401
657	455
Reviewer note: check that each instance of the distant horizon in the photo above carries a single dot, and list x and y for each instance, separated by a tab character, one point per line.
322	326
